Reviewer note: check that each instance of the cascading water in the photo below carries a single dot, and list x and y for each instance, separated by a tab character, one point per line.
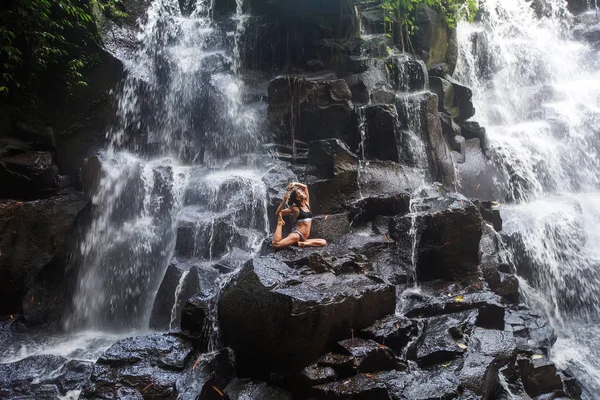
536	90
182	104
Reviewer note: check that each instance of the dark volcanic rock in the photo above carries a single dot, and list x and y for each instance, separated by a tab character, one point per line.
442	338
367	209
392	331
28	175
332	157
142	366
478	373
206	376
538	375
33	236
370	356
408	74
419	112
359	387
272	312
446	98
381	131
330	227
194	314
448	239
184	280
421	385
244	389
42	377
321	105
435	42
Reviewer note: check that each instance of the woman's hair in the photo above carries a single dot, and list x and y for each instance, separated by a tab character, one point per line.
293	200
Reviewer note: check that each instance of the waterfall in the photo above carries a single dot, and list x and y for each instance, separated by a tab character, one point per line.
182	123
536	90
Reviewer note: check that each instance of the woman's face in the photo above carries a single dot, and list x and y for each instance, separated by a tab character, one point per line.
300	195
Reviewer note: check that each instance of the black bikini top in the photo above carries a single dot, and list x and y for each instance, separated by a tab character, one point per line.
304	215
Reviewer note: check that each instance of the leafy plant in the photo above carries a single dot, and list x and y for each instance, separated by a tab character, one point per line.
42	39
399	15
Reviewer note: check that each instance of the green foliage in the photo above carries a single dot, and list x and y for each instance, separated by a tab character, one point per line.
399	15
44	38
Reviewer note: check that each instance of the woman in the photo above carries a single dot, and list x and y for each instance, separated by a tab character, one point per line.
299	197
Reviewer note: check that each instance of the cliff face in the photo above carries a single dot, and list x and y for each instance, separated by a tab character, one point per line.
414	297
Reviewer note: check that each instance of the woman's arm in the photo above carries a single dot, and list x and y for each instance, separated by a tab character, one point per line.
280	209
304	189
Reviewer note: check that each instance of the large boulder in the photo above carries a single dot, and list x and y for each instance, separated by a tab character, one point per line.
419	113
332	157
182	280
34	235
446	239
310	107
43	377
157	366
382	138
28	175
434	41
286	318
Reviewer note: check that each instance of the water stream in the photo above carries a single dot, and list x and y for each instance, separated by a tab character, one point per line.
537	91
175	161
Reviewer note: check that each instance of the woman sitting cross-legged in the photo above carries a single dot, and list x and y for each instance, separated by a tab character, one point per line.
297	194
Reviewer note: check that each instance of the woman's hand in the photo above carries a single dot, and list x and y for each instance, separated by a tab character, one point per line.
290	186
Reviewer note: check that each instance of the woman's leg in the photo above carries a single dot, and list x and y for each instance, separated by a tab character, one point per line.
313	243
290	240
278	235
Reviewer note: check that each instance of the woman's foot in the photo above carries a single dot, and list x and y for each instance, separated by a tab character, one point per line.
280	220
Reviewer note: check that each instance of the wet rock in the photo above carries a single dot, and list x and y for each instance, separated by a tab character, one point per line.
330	196
28	175
271	311
370	356
361	386
316	374
322	104
367	209
420	113
381	131
439	299
421	385
472	130
42	376
357	64
442	339
479	374
164	301
531	331
330	227
342	364
493	343
408	74
447	240
434	41
480	178
142	366
34	235
446	98
463	100
393	331
538	375
206	376
91	174
194	314
244	389
332	157
490	213
181	281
